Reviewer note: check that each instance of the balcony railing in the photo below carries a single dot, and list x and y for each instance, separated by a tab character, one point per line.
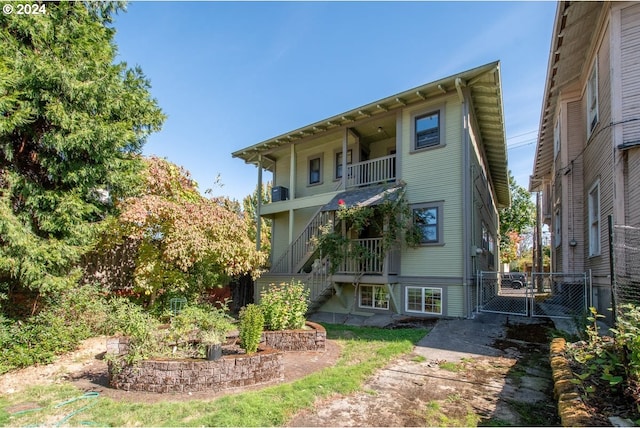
374	171
295	256
370	259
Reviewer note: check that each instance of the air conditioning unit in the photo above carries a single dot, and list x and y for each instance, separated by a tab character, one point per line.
279	193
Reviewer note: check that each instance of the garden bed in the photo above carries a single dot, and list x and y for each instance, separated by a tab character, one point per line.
233	369
311	338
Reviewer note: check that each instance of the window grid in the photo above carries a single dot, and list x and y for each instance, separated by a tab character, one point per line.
427	220
374	297
426	300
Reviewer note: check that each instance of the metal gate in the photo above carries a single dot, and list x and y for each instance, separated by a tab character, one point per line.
554	295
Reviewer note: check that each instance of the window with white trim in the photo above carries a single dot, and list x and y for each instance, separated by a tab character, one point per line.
374	297
592	99
426	300
594	219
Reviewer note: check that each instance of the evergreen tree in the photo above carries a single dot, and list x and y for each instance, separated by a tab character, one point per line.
72	126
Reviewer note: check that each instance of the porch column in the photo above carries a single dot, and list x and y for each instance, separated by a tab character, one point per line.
292	174
259	205
345	139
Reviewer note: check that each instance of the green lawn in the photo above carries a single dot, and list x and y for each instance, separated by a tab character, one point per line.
364	350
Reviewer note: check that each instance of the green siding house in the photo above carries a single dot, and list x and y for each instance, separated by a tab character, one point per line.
440	145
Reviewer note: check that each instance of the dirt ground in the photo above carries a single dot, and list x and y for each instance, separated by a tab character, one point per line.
401	394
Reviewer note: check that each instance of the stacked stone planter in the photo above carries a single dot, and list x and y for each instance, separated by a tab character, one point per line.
313	338
160	375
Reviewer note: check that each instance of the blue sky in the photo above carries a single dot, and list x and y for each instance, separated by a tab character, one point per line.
232	74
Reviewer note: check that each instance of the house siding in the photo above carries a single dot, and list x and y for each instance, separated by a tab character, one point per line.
484	212
632	196
436	175
279	235
575	141
630	76
630	71
303	155
598	165
452	176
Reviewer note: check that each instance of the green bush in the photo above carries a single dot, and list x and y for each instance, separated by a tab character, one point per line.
284	306
627	334
251	326
58	328
205	323
129	319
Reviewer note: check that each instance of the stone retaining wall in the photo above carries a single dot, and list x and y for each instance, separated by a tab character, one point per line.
571	408
311	339
230	371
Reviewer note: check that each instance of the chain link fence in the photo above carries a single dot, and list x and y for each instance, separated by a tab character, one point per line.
560	295
553	295
626	265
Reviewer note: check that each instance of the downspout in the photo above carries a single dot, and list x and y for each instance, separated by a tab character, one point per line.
466	195
459	85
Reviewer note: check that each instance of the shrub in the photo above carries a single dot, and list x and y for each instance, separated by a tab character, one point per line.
251	325
58	328
128	319
284	306
627	334
206	324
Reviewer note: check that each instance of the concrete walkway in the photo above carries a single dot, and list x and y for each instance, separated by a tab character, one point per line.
451	339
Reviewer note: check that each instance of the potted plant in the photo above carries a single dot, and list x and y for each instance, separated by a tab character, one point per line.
212	341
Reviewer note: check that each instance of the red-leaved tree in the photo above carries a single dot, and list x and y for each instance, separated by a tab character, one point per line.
185	242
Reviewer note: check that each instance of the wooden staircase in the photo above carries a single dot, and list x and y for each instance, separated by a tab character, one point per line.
298	255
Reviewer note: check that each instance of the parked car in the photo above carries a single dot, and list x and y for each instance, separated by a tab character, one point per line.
514	279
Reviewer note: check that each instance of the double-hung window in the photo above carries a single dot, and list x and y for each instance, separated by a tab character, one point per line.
315	170
594	219
339	163
427	219
427	130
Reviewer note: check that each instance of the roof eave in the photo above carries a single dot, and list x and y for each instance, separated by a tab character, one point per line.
393	102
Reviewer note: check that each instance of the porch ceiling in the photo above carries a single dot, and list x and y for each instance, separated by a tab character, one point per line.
486	92
574	28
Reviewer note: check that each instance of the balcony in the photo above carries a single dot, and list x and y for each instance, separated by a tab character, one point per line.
374	171
372	260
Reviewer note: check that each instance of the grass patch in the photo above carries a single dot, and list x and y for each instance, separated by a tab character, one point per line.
364	350
435	416
419	359
451	367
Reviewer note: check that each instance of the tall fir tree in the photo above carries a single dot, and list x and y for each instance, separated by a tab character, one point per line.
72	126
